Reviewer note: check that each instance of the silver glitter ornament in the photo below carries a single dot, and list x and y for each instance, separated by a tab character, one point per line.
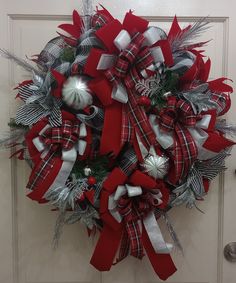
75	93
156	166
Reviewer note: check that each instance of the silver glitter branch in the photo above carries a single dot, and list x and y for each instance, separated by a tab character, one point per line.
172	232
184	39
23	63
226	128
87	11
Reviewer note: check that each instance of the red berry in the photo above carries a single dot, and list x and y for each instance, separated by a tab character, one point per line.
144	101
82	197
92	180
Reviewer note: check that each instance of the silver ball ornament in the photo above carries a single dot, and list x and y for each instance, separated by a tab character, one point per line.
75	93
156	166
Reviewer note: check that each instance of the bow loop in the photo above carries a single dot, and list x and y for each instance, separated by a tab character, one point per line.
177	112
65	136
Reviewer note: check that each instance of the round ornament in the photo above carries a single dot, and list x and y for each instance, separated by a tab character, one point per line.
76	94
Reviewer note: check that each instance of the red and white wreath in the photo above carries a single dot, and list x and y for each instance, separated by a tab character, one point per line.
119	125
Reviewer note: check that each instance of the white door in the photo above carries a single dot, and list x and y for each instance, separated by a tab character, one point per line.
26	228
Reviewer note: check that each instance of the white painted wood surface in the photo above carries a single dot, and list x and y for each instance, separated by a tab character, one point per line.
26	228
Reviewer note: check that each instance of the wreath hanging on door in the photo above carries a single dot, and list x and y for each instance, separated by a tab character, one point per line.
119	125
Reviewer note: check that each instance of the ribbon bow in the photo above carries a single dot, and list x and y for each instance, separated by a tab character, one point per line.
127	212
177	112
54	150
129	66
132	204
173	121
65	137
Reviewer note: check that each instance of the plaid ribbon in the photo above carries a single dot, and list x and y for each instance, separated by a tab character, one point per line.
130	62
127	130
176	116
220	99
128	162
57	139
132	210
177	111
63	137
140	122
100	19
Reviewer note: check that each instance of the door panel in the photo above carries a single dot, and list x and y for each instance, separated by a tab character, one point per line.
28	227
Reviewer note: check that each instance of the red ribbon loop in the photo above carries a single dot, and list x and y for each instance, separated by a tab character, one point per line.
177	112
64	136
176	116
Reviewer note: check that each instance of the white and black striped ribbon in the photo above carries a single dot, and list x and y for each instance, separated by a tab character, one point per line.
211	168
93	120
86	43
52	51
197	185
128	162
27	90
30	114
55	118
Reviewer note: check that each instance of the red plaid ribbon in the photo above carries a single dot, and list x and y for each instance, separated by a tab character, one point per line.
177	111
221	99
64	136
57	139
127	130
140	122
42	171
175	117
130	61
101	18
132	210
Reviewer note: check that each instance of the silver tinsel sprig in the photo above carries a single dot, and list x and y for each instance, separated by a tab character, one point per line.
226	128
23	63
185	39
200	98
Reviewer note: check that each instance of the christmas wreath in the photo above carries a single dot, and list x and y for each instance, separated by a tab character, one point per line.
119	125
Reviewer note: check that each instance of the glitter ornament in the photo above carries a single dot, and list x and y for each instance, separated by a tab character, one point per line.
156	166
75	93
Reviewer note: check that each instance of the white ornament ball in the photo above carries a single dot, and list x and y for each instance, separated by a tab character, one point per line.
156	166
87	171
75	93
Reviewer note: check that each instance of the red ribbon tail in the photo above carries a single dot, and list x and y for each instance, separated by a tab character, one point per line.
161	263
106	248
